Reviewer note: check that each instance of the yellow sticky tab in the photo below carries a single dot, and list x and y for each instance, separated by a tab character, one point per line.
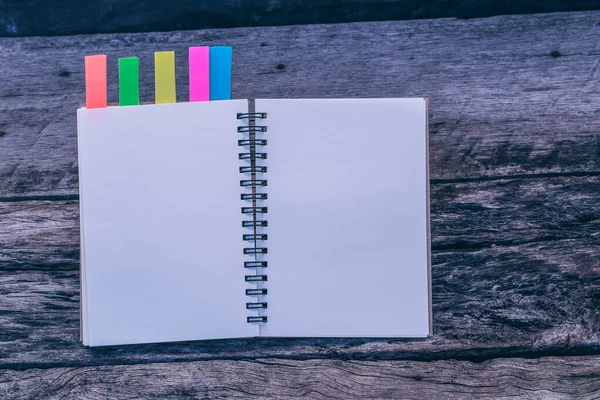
164	77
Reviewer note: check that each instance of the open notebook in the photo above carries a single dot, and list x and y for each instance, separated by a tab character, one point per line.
238	218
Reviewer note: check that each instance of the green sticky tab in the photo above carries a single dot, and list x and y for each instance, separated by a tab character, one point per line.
129	87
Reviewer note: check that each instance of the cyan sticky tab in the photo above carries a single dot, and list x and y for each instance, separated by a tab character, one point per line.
220	73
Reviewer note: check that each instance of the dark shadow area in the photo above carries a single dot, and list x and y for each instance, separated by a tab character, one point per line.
68	17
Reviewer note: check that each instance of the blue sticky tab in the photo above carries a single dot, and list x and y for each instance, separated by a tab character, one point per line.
220	73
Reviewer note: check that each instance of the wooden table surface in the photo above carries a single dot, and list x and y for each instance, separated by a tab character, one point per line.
515	209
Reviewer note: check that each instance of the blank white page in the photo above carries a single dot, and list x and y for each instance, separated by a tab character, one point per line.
161	225
348	218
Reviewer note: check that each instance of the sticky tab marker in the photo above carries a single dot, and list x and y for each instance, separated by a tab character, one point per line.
95	81
199	74
220	73
164	77
129	78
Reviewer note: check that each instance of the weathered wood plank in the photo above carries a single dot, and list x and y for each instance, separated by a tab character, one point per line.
544	378
52	17
510	95
464	215
39	234
524	300
516	271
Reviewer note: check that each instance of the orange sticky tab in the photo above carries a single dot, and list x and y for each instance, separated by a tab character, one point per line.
95	81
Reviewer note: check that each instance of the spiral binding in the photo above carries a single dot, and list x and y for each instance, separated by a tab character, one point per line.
255	182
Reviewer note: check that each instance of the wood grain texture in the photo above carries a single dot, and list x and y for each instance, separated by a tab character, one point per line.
544	378
516	271
464	216
515	155
510	95
54	17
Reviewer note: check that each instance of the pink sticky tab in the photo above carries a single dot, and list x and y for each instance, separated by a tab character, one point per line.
199	74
